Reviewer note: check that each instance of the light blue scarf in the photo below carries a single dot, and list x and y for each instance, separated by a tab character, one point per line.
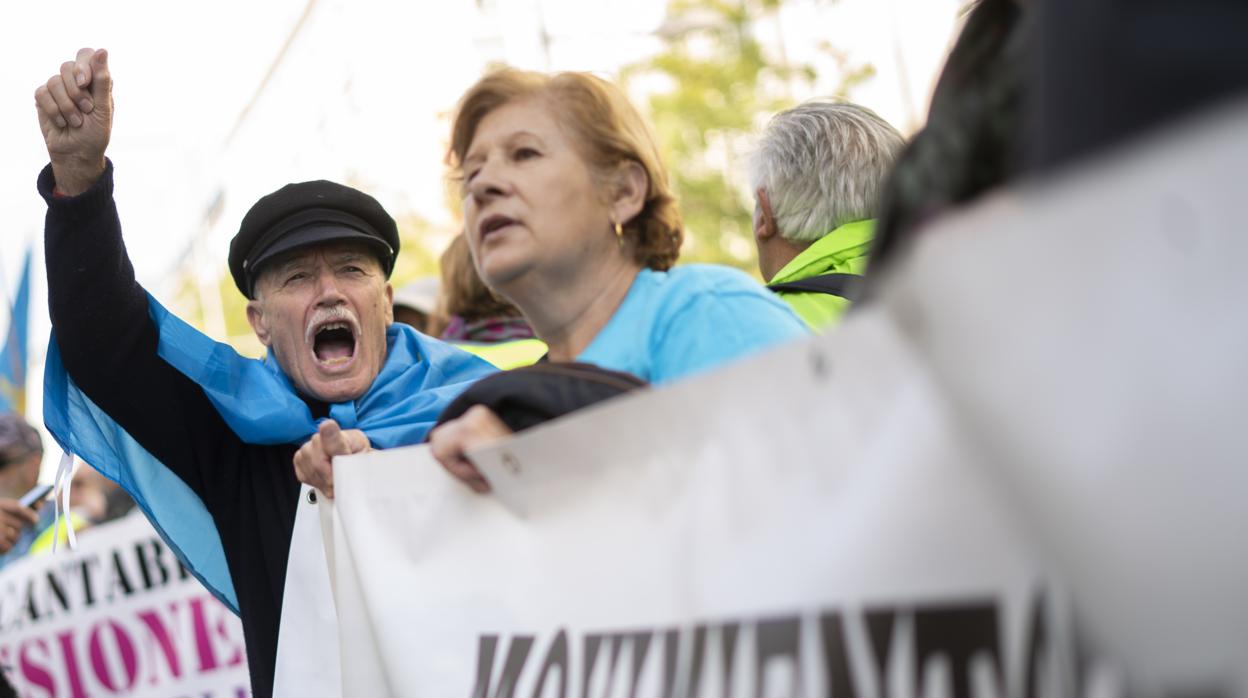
421	375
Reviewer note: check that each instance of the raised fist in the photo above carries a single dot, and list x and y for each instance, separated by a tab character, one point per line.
75	110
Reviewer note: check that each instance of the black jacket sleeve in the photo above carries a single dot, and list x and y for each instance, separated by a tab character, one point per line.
108	344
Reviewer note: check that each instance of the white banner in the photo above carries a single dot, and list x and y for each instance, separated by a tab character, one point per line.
799	525
1043	411
119	616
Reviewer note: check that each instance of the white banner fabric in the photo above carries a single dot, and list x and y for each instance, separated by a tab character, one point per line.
794	525
1092	338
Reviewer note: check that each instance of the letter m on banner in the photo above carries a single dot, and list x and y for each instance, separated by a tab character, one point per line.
13	355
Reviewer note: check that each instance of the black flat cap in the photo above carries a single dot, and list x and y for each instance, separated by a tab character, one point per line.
309	213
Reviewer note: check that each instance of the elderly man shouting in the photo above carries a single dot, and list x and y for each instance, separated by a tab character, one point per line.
202	438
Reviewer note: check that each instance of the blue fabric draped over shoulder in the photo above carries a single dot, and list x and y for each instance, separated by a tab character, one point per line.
420	376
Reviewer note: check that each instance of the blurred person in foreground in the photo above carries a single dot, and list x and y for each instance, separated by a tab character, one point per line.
478	320
21	452
1106	72
203	438
816	174
1030	89
416	304
568	215
972	141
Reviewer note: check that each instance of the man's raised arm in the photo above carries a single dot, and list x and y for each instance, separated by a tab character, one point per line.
100	315
75	110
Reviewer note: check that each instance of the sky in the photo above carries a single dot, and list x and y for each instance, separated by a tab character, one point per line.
220	103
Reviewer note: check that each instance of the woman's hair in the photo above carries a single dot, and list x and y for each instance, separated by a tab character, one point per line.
462	292
608	133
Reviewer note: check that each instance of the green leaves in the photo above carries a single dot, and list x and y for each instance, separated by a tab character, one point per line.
724	84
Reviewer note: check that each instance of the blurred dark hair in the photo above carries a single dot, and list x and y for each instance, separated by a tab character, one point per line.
971	141
18	440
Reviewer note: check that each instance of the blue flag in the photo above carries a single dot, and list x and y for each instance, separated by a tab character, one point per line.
420	376
13	356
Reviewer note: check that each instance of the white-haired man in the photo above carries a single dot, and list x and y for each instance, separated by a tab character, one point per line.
816	174
202	438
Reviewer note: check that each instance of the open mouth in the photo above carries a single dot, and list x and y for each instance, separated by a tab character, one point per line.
492	224
333	344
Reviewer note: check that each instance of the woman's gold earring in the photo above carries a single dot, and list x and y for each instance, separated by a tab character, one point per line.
619	234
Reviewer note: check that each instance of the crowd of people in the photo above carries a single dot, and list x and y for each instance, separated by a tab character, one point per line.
568	256
27	527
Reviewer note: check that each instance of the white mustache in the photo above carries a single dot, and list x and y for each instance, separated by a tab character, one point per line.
333	313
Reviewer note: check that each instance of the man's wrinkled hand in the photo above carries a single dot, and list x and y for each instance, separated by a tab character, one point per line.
314	461
451	442
13	518
75	109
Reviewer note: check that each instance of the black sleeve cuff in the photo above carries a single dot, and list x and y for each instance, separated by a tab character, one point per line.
100	193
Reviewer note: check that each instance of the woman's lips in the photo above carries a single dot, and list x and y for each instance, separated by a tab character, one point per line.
493	224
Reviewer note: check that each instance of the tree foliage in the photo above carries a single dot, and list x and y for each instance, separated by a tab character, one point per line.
716	85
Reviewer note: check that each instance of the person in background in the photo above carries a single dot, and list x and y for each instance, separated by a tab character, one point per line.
478	320
96	498
21	452
568	215
93	499
816	173
416	304
78	516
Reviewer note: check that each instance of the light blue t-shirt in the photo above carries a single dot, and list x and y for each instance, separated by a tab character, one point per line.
695	317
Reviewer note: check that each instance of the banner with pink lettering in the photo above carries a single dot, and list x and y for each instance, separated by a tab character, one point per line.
119	616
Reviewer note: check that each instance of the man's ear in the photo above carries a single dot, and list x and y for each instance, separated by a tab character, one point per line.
632	185
255	316
389	304
764	219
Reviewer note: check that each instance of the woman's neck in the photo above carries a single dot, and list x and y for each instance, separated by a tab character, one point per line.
568	315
